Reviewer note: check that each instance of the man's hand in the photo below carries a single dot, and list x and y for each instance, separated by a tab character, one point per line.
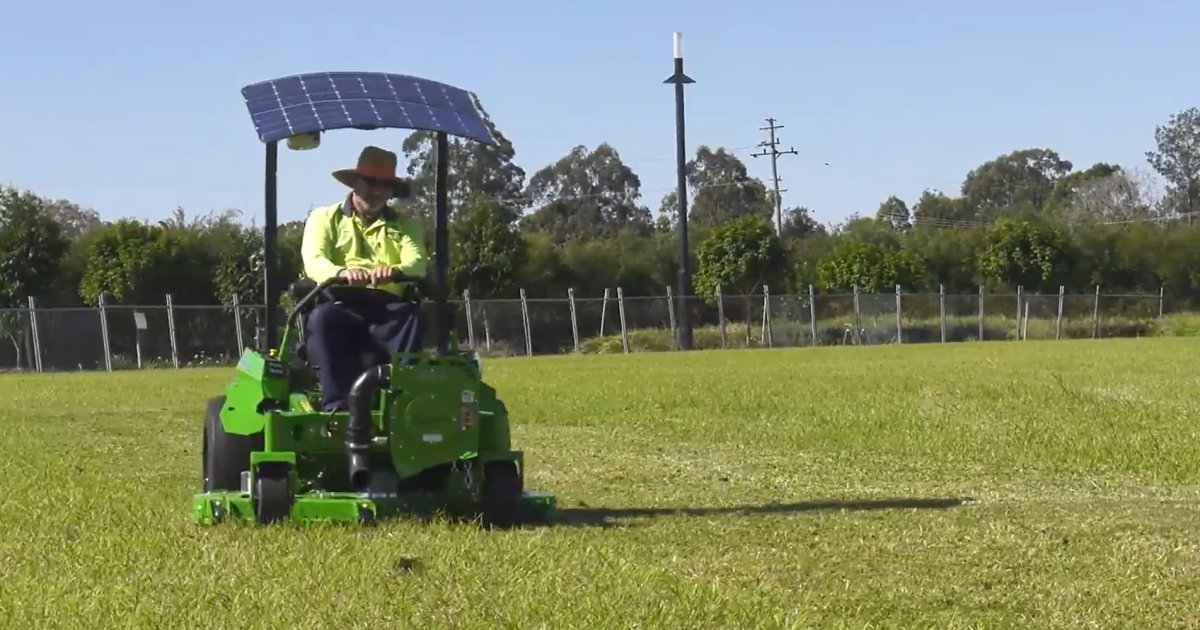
381	274
355	276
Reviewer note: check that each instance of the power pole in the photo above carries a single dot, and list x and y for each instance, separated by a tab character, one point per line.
774	152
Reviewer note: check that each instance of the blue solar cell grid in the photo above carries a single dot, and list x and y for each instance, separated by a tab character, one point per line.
284	107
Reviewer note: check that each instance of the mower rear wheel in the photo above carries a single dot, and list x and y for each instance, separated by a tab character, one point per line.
272	493
502	490
224	455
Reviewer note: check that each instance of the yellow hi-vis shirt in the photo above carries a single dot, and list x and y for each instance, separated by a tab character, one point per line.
335	239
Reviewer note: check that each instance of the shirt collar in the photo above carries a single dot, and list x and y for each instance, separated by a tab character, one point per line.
387	214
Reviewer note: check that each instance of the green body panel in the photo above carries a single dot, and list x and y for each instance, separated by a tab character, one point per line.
257	379
424	420
262	457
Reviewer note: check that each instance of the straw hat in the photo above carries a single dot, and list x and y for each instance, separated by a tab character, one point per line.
377	164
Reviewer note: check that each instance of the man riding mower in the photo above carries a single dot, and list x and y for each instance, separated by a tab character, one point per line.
388	424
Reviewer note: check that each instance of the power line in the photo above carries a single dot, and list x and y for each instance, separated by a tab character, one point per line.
774	152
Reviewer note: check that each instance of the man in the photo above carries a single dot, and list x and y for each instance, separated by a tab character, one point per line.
363	240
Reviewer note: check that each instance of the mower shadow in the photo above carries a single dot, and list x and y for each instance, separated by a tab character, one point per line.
587	516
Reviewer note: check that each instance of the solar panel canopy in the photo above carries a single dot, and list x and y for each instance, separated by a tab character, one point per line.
305	103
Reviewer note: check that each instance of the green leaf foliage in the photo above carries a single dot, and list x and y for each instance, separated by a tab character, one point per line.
1019	252
31	247
739	256
1026	217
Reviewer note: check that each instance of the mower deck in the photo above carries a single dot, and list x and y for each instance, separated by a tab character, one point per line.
211	508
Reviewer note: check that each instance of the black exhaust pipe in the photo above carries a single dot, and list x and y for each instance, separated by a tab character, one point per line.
358	429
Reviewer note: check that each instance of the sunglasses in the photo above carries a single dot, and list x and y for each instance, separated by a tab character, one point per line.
373	182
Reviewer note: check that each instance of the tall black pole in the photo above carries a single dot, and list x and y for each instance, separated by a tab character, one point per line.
270	221
679	79
441	244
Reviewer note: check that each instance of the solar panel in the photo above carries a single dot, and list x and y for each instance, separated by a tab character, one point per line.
321	101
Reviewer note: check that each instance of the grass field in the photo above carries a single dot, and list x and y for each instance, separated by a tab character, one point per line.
1029	484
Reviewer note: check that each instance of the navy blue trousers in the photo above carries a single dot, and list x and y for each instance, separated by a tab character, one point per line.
337	337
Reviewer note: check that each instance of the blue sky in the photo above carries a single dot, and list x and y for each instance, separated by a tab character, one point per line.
896	97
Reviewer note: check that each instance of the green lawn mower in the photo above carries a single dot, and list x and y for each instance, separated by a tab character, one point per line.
422	432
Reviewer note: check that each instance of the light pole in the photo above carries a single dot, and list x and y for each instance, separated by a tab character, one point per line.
679	79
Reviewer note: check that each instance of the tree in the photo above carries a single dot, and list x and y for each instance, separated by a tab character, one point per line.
487	250
894	212
869	230
73	220
723	191
587	194
1072	184
1022	252
871	266
798	223
804	256
31	247
139	263
31	250
1020	179
1104	193
476	170
933	207
947	257
544	273
1177	158
739	256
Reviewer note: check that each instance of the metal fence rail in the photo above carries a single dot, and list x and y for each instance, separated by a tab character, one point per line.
112	337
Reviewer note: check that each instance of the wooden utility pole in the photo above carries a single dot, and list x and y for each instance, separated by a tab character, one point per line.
772	149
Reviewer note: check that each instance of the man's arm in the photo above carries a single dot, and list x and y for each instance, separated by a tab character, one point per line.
316	248
413	256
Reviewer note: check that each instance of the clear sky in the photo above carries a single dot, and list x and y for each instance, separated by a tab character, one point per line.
133	108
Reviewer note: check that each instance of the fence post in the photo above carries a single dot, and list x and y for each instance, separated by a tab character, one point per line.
1162	299
237	324
621	311
812	313
603	311
37	338
104	333
1058	319
942	309
574	321
981	312
525	321
857	319
1096	314
671	318
768	334
721	318
1020	294
171	330
487	328
1025	326
899	325
470	318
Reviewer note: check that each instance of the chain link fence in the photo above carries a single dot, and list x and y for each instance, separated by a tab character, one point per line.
110	337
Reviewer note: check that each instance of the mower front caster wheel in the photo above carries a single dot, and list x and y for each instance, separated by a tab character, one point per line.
272	498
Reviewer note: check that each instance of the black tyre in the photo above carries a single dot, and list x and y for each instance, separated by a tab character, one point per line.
272	493
224	456
502	490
